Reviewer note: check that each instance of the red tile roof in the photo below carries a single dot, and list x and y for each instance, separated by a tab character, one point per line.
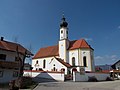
54	50
10	46
47	52
78	44
64	63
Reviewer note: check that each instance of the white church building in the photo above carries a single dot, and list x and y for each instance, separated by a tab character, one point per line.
67	56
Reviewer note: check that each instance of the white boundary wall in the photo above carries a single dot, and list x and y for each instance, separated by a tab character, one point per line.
99	76
58	76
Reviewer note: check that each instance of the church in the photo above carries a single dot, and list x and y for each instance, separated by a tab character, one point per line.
67	55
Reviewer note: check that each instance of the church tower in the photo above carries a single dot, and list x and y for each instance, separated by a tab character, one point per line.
63	42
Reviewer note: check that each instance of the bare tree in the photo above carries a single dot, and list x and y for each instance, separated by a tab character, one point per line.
30	48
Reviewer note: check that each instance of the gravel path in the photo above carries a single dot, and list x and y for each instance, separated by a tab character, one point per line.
106	85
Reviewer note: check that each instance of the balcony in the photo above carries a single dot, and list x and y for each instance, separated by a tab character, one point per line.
9	65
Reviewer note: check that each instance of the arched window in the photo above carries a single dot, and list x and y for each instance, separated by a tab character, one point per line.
62	69
73	61
62	31
84	61
37	62
37	65
44	62
54	69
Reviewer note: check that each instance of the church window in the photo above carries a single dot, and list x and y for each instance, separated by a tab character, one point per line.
83	52
63	70
37	65
73	61
44	62
84	61
37	62
62	31
54	69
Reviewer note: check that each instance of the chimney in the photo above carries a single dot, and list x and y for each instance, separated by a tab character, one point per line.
2	38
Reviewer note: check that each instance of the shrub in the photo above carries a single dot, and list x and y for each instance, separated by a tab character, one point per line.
92	79
109	79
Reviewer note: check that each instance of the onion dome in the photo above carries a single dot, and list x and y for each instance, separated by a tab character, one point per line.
63	22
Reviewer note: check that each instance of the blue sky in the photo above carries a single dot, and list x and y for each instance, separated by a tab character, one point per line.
35	23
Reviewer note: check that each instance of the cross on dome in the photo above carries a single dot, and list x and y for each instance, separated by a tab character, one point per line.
63	22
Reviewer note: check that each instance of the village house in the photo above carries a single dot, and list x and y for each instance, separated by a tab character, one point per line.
12	57
67	56
115	73
116	65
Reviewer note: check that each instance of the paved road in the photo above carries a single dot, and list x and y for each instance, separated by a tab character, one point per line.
106	85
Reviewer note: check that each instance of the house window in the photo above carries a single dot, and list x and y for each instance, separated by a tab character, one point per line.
73	61
2	57
15	74
1	73
44	62
84	61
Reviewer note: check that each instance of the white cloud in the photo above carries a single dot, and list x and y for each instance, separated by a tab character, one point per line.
106	59
118	27
98	58
88	39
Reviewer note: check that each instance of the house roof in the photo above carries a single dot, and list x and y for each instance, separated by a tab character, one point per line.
14	47
47	52
113	66
54	50
62	62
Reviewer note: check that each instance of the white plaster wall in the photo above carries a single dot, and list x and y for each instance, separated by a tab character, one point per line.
49	64
7	76
67	56
99	76
79	54
77	77
8	73
10	56
40	62
62	49
55	76
58	65
64	34
73	53
86	52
